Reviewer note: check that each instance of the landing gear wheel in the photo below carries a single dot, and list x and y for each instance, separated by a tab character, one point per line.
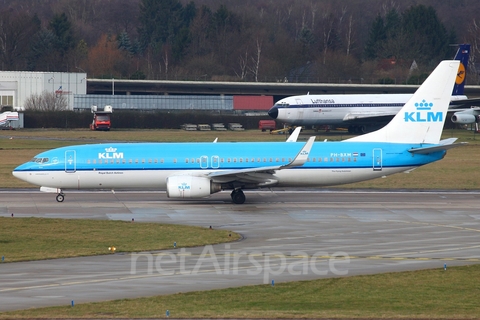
238	197
60	197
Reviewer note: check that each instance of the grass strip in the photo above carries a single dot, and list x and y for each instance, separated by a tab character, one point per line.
427	294
23	239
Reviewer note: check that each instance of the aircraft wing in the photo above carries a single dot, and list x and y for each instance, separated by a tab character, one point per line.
262	175
455	104
368	115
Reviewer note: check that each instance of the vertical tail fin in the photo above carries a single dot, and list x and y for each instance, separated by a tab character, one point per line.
421	119
462	55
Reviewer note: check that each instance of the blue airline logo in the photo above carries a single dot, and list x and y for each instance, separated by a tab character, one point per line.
423	113
184	186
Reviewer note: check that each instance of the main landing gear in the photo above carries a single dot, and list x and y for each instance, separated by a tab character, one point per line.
60	197
238	197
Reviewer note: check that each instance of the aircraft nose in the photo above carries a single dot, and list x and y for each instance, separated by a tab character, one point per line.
19	174
273	112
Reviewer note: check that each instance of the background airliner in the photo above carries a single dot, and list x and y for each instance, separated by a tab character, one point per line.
195	170
359	113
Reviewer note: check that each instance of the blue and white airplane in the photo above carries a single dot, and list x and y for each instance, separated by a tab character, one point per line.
196	170
360	113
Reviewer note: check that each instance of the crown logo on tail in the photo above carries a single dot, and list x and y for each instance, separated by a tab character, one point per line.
424	105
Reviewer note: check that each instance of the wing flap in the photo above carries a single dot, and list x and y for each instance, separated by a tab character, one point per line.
262	175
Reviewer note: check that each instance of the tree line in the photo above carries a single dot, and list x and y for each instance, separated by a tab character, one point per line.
252	40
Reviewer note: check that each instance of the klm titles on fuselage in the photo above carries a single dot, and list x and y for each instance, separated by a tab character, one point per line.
423	113
110	153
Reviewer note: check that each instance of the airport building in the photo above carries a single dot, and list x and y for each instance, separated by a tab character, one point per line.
17	86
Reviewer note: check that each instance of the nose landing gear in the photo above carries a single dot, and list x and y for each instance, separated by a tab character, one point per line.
60	197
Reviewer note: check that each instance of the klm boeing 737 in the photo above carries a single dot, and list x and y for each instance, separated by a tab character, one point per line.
196	170
360	112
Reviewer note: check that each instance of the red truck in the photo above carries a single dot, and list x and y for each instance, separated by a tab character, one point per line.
101	119
265	125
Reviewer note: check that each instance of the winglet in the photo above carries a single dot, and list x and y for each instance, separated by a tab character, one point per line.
302	156
294	136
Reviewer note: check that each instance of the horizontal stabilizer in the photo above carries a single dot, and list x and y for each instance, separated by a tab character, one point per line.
444	145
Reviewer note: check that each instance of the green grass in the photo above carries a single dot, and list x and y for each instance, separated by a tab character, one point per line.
36	238
451	294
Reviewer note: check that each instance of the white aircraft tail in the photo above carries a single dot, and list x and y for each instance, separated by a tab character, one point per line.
422	118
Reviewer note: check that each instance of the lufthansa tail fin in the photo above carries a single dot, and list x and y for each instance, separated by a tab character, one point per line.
462	56
421	119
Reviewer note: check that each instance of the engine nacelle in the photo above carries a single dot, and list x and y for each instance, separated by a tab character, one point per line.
190	187
463	118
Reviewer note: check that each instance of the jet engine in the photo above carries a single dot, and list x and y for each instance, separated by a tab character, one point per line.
190	187
463	118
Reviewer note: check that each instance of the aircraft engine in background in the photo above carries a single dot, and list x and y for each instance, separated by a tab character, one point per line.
464	118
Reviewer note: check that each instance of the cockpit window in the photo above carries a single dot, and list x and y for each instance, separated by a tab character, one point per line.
39	160
282	104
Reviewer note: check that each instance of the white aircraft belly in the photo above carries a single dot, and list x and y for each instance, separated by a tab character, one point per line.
330	176
156	178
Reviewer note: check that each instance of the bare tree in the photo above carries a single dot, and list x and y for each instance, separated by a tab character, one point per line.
46	101
474	35
256	61
243	61
349	36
